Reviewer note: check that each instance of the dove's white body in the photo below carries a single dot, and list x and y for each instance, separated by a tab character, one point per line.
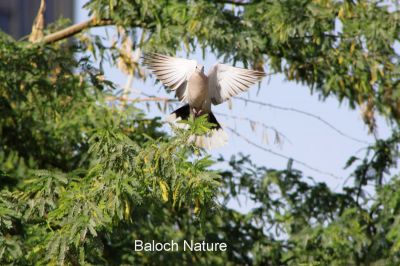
197	93
191	85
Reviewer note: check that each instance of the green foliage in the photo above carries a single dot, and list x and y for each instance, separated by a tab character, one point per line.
82	176
101	163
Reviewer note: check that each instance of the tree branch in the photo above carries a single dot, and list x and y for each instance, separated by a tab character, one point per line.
38	23
74	29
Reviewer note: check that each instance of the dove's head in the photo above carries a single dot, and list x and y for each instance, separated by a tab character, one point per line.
199	68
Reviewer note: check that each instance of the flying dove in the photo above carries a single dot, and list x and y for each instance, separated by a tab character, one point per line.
186	77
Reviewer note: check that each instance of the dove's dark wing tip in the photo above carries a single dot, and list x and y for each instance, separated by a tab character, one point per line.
153	56
146	57
260	73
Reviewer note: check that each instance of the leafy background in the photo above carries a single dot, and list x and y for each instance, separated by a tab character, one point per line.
85	171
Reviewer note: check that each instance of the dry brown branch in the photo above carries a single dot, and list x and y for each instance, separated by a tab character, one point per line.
75	29
38	24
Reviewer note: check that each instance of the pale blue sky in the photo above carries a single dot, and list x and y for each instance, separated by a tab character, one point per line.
310	140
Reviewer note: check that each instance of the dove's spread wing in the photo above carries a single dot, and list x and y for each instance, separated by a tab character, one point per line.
226	81
171	71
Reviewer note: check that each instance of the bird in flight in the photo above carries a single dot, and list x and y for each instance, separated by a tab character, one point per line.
192	86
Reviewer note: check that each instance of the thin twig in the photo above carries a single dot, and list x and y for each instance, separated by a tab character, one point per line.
290	109
254	122
281	155
165	99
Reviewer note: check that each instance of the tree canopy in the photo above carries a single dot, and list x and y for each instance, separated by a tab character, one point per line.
83	173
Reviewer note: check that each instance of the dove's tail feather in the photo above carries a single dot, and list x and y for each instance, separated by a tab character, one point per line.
181	113
211	140
217	137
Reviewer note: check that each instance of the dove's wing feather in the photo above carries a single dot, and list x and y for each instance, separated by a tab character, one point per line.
226	81
171	71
